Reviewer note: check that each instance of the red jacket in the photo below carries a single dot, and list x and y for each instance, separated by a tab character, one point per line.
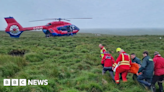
158	65
124	61
107	60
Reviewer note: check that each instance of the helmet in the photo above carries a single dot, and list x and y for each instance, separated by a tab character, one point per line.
118	49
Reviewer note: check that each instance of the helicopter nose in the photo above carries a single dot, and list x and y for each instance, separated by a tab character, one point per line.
78	29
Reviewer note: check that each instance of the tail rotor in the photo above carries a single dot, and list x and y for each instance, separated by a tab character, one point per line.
14	29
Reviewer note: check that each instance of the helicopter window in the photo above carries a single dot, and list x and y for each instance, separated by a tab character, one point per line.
75	28
67	28
62	28
48	24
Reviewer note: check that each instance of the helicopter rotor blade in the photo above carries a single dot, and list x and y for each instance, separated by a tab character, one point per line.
67	19
78	18
44	20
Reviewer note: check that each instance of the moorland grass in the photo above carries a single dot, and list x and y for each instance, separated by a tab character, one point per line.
71	64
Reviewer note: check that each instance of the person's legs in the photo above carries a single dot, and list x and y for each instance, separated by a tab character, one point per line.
118	71
155	79
149	80
111	72
103	71
148	84
116	77
160	87
141	80
160	83
124	74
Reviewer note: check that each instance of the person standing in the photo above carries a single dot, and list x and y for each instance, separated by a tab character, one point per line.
102	50
158	71
122	65
147	68
108	61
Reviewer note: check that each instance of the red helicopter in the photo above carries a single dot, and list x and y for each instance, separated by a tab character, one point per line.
55	28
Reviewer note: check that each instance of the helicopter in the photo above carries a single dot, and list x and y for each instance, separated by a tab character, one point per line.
55	28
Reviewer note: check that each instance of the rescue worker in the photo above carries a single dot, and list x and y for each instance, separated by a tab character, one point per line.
135	60
158	71
122	65
147	68
102	50
108	61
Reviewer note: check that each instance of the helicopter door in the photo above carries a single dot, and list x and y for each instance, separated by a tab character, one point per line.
69	29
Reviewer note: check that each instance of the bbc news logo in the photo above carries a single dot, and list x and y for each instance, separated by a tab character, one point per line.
23	82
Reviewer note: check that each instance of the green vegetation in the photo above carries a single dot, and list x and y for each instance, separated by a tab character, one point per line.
71	64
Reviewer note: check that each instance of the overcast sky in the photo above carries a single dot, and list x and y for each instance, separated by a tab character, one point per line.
105	13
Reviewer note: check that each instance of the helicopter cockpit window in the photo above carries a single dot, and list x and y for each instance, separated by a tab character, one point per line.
75	27
48	24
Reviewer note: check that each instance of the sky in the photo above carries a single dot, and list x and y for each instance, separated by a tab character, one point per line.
104	13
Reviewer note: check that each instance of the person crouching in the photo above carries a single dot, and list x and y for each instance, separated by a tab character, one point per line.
122	65
147	68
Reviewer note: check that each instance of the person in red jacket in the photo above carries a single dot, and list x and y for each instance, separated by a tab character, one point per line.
158	71
108	62
122	65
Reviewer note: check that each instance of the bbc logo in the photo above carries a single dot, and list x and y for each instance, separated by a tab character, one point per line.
24	82
14	82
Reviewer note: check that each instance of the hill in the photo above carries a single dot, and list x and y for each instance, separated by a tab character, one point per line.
125	31
71	64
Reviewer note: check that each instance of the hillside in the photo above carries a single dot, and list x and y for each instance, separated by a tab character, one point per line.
71	64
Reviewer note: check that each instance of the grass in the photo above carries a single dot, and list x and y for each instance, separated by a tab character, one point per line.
71	64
